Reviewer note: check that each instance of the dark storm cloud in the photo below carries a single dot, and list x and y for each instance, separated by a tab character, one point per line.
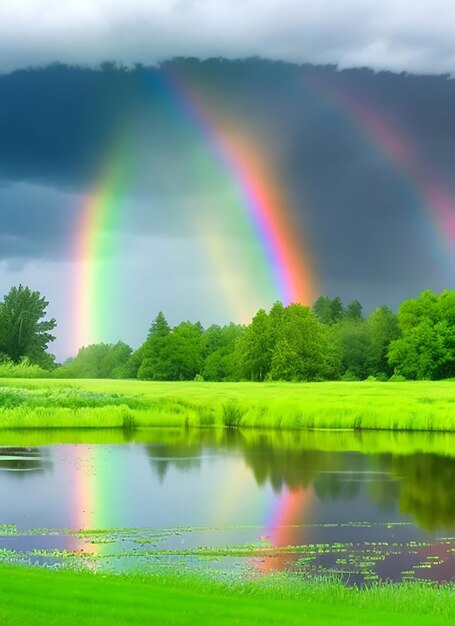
360	210
57	125
35	222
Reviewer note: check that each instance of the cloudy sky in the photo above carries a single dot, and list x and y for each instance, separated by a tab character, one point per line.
352	101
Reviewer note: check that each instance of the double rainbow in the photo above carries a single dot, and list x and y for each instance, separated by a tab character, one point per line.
276	261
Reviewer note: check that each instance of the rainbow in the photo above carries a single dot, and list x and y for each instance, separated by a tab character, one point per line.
84	494
286	528
437	201
264	201
284	514
95	243
276	261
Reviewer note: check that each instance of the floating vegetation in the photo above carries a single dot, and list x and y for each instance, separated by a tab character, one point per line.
149	549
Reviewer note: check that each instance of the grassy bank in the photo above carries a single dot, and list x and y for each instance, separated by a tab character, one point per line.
44	597
426	406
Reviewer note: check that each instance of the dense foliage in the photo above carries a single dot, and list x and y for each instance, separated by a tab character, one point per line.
101	360
296	343
24	333
328	341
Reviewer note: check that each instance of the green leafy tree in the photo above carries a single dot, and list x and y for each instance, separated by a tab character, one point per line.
23	330
426	347
353	311
382	330
337	310
351	340
99	360
114	363
256	347
151	353
220	353
175	354
184	351
134	362
322	310
328	311
302	350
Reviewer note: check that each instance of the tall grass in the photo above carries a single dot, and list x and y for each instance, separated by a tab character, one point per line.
421	406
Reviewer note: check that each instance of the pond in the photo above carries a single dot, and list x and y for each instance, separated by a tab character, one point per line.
363	506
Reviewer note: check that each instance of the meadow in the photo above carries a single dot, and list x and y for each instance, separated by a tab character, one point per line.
128	404
39	412
44	597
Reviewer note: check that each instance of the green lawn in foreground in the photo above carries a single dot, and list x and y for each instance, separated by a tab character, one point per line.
43	597
118	403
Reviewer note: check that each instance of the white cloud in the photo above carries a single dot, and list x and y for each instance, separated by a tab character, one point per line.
410	35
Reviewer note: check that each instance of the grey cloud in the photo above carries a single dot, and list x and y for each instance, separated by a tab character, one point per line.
35	222
360	211
409	35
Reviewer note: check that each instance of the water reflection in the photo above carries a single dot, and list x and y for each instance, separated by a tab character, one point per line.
19	461
383	500
419	484
162	456
427	489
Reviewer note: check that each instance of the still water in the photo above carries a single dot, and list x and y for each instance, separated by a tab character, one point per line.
365	507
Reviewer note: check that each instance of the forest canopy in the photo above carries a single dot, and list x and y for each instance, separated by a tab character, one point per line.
328	341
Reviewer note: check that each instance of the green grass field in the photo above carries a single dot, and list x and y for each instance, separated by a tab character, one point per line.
41	403
46	598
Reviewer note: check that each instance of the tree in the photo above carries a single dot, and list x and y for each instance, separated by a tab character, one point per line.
382	330
220	354
115	363
337	310
183	355
172	354
328	311
23	330
302	350
149	353
99	360
351	339
322	310
426	348
353	312
159	327
256	347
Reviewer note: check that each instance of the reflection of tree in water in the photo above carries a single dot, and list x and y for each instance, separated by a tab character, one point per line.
282	466
279	465
423	485
384	491
21	461
280	461
182	456
427	489
333	486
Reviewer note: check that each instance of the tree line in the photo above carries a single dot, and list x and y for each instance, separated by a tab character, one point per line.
327	341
